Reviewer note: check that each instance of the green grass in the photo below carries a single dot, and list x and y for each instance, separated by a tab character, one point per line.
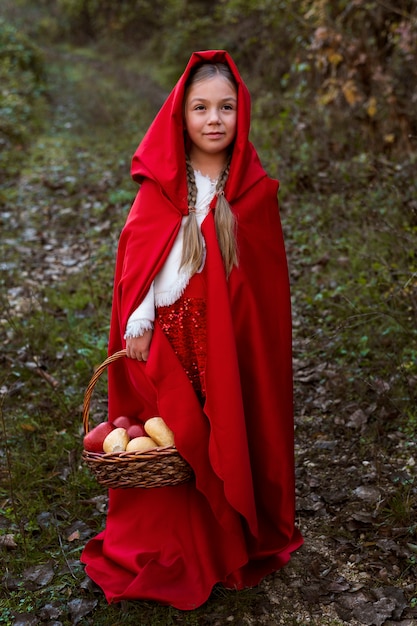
355	288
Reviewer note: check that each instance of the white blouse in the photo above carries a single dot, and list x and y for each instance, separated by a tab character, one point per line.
169	284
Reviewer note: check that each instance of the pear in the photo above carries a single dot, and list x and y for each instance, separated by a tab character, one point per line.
159	431
141	444
116	440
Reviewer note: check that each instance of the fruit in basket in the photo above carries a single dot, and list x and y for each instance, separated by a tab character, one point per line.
93	440
141	444
116	440
136	430
159	431
123	422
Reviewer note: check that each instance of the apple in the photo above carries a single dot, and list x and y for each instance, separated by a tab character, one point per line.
93	440
123	422
136	430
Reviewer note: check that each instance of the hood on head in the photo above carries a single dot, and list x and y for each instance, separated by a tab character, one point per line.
161	153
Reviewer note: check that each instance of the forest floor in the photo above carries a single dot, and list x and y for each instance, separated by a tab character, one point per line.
60	226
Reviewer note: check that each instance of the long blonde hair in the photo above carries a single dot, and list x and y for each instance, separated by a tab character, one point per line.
224	218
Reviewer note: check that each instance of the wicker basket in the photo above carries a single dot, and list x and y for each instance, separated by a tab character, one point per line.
160	467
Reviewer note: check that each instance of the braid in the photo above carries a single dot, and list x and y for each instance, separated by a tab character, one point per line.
193	247
225	222
191	184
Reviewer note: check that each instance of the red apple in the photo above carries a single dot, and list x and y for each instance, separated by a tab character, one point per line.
93	440
123	422
136	430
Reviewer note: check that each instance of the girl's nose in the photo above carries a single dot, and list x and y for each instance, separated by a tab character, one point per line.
214	117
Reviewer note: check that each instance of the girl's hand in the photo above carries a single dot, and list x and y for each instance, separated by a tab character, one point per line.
138	347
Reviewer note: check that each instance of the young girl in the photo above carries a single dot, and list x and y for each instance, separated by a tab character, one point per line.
202	305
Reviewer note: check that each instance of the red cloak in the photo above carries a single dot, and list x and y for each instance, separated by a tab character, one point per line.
235	523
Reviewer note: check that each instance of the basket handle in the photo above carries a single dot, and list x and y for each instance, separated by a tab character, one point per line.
87	396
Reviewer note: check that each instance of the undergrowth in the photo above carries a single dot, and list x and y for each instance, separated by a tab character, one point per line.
355	288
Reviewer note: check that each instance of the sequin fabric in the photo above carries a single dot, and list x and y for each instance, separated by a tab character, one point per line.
184	323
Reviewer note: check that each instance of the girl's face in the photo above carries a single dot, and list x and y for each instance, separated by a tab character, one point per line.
210	116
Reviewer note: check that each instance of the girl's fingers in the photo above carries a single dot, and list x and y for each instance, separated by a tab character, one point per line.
139	356
138	347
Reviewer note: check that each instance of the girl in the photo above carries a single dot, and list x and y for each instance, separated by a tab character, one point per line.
202	305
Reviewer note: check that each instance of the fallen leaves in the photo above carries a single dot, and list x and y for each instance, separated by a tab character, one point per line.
354	493
79	608
373	609
38	575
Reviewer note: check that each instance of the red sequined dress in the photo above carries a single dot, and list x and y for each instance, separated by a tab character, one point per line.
184	323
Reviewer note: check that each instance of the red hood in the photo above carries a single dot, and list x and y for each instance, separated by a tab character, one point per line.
161	154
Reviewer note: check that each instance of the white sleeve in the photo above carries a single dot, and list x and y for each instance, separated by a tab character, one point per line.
143	317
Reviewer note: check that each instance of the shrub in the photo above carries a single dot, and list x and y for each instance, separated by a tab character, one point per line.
22	87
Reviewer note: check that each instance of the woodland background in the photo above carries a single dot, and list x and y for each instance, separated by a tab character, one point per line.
334	86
